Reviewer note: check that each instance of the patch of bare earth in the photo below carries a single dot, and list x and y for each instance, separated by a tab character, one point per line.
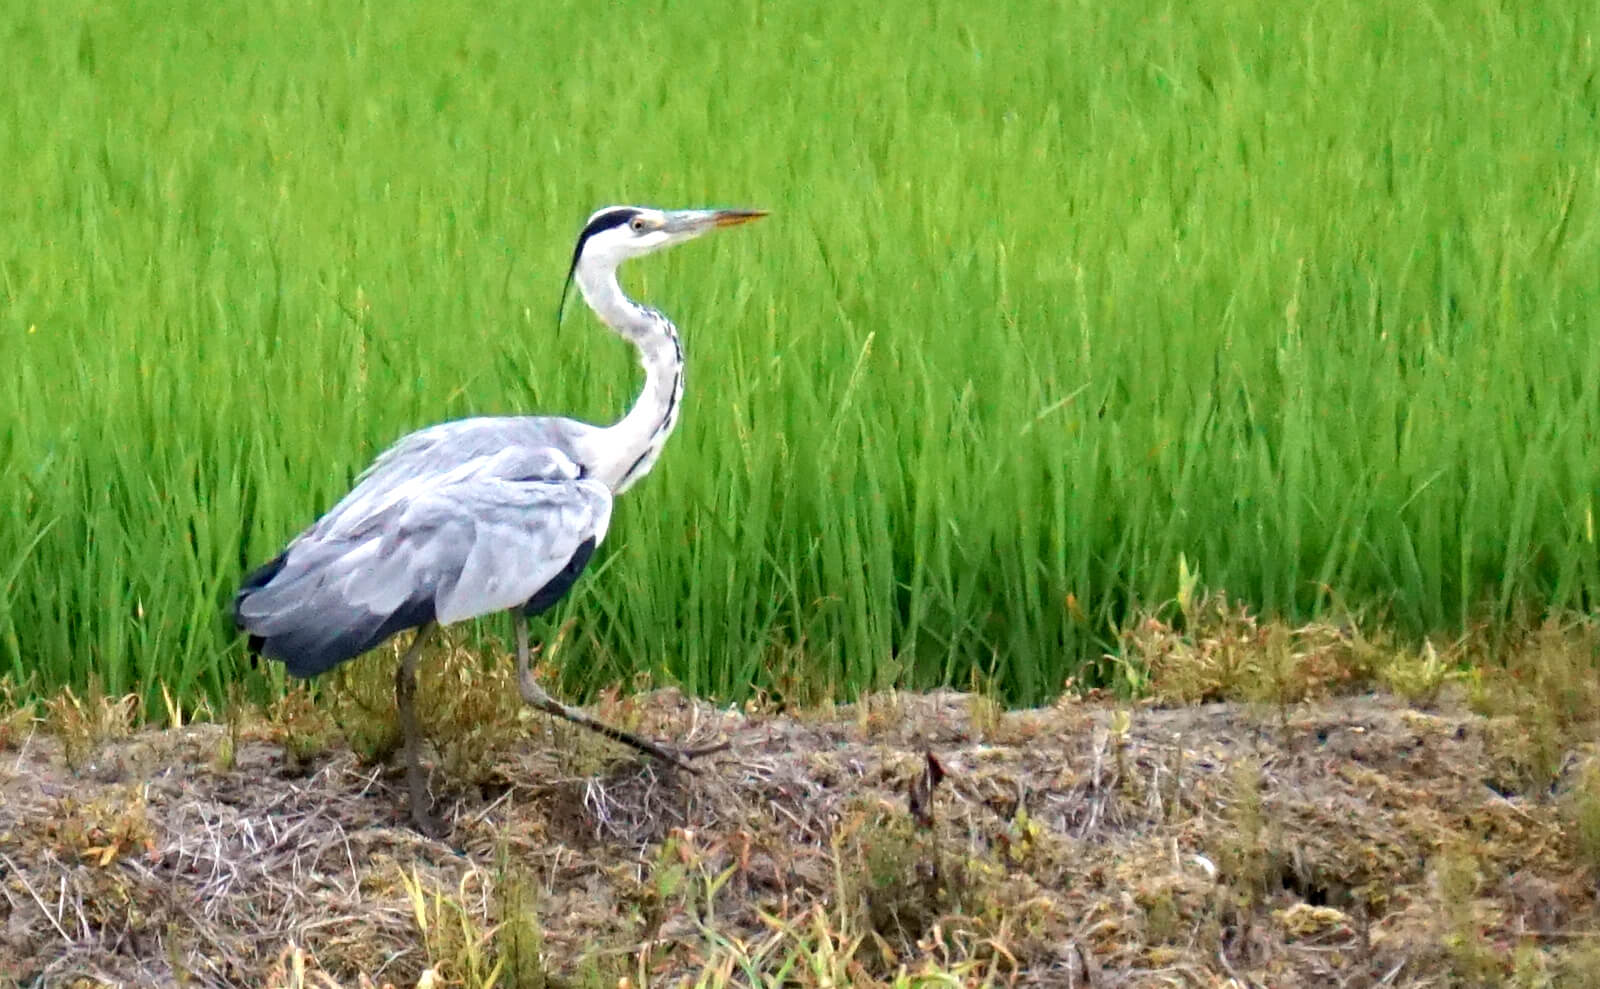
1353	841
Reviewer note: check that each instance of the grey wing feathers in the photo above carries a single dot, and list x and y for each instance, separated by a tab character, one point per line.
431	532
540	447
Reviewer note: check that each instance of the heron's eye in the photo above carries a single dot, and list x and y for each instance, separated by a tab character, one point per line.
637	223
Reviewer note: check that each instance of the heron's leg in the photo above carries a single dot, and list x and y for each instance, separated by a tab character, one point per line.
405	691
535	696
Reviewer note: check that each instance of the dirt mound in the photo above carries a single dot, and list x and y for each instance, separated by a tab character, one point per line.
1352	842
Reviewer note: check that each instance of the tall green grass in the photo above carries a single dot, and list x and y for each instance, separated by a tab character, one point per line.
1052	294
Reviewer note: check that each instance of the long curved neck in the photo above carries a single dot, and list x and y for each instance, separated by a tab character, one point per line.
626	450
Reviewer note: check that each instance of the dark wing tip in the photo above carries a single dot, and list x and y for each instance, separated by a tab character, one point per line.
545	597
253	581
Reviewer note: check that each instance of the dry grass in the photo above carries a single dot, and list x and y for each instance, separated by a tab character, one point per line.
1301	835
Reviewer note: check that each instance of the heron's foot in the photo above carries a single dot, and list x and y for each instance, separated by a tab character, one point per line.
535	696
422	816
704	750
427	823
678	758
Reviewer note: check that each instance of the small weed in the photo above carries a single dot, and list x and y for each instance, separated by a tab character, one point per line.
518	938
1277	682
456	941
86	724
825	950
296	968
234	711
299	725
1163	922
360	699
878	713
17	715
1578	968
685	879
1130	782
1418	676
794	683
1457	879
1021	843
101	830
1243	850
1525	752
1530	966
1216	650
985	714
668	882
900	879
486	934
473	711
1543	701
467	703
1583	815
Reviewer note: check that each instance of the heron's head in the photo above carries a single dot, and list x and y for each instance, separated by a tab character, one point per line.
616	233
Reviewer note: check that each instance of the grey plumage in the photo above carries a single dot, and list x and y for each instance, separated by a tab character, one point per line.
481	515
455	521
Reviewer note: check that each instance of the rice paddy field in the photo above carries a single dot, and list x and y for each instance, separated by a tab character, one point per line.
1059	303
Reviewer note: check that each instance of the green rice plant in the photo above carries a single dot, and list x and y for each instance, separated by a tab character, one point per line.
1053	297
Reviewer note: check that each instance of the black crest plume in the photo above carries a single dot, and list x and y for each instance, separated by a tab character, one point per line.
604	221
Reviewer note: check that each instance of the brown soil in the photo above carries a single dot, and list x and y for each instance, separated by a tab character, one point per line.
1350	842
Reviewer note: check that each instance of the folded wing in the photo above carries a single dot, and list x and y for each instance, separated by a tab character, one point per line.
414	543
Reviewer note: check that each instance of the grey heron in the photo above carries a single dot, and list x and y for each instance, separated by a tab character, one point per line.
481	515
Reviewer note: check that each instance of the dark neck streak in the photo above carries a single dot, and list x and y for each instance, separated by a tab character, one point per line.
625	451
670	387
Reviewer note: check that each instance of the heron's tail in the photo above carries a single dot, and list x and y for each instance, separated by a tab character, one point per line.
290	618
253	581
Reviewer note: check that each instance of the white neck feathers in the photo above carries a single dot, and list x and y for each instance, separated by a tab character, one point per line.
626	450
